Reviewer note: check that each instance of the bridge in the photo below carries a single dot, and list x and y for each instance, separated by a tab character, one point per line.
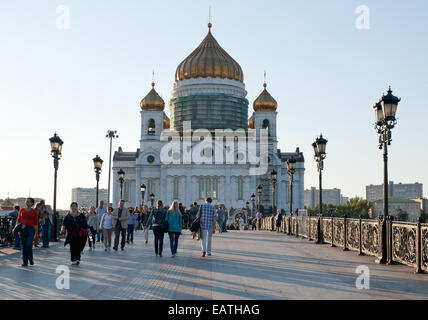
256	265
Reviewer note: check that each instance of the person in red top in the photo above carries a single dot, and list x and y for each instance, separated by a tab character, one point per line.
29	218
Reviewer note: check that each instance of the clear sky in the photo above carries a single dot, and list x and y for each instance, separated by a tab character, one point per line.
324	72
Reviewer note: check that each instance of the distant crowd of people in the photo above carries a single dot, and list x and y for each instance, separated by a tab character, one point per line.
99	224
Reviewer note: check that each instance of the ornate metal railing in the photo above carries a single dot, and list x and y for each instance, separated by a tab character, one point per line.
424	245
406	243
6	237
404	239
370	237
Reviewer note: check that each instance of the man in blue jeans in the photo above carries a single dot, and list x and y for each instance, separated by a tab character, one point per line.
17	238
207	216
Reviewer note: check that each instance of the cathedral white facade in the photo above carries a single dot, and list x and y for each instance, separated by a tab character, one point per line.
205	147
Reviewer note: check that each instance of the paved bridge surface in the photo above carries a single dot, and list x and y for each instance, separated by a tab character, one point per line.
244	265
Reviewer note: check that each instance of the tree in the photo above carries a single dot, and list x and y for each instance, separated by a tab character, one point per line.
352	209
402	215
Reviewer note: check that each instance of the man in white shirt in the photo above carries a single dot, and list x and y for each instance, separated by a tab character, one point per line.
100	211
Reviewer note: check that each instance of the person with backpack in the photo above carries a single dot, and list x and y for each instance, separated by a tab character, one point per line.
132	225
174	220
157	219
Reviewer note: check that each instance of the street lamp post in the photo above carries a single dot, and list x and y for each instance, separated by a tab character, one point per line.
319	146
121	177
253	200
259	195
385	111
98	163
273	177
111	134
56	152
152	199
291	168
143	192
247	207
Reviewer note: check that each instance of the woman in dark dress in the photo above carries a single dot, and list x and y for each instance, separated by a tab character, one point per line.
77	228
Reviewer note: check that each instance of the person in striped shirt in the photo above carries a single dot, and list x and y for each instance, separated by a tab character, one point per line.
207	216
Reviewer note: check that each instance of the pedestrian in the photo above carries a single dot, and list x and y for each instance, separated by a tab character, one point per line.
39	225
175	225
119	220
100	212
193	213
45	217
278	220
17	239
144	217
207	217
93	222
220	218
137	218
156	219
29	218
106	228
77	229
259	220
254	224
241	223
225	218
132	223
183	215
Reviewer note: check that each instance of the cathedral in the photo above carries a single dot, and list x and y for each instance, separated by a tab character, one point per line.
208	106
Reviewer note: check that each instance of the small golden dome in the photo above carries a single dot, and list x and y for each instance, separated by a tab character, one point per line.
251	122
265	102
152	102
166	122
209	60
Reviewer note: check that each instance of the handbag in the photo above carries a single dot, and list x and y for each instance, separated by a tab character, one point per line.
165	224
17	229
195	226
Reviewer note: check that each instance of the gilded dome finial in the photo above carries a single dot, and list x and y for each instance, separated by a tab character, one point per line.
265	102
209	20
152	101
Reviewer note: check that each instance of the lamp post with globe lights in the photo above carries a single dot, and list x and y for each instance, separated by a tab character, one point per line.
385	111
121	177
98	163
56	152
273	177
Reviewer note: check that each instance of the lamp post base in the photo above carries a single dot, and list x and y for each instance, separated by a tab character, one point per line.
381	260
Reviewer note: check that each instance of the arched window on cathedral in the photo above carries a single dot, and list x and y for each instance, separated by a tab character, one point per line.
240	189
176	195
266	125
151	127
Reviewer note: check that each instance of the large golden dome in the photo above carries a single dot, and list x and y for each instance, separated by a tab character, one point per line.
265	102
209	60
152	102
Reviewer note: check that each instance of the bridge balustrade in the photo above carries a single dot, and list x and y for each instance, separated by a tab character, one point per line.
407	242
